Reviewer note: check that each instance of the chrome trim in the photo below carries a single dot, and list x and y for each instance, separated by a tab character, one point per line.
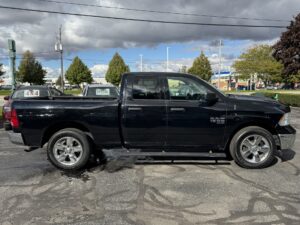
15	138
287	141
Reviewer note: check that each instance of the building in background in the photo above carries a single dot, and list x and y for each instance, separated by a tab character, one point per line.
230	81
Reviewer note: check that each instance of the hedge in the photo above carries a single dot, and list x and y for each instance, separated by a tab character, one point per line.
285	98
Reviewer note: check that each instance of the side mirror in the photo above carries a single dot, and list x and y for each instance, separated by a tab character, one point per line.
6	98
211	98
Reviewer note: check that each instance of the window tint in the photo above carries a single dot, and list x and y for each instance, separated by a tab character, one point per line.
145	87
182	88
110	92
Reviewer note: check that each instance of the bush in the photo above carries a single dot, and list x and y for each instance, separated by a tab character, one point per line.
285	98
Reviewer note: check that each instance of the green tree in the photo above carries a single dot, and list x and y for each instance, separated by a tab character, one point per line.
58	81
201	67
115	70
258	60
287	51
1	70
30	70
78	72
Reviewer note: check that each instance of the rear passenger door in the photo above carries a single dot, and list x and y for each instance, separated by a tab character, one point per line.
144	114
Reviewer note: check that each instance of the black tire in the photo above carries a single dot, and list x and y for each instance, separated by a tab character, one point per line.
79	136
236	147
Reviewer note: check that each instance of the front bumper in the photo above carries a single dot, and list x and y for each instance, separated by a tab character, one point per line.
286	137
287	141
15	138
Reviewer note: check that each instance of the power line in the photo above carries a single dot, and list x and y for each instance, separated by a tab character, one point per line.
144	20
163	12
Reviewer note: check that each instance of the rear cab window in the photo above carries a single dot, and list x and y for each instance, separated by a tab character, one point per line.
104	92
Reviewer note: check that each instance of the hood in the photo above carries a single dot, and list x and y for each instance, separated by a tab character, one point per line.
259	102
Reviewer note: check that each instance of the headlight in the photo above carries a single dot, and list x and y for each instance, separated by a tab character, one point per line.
285	120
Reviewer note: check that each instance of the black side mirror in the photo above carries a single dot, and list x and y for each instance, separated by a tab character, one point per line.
211	98
6	98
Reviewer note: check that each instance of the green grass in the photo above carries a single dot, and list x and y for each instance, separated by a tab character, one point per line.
285	98
73	92
5	92
0	114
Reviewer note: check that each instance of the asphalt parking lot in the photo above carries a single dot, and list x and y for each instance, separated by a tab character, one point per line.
193	192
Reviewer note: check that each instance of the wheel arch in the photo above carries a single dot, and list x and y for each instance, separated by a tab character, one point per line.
51	130
263	125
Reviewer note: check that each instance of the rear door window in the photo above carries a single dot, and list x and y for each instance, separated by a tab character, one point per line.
146	87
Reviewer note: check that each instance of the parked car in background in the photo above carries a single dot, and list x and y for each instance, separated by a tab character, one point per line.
25	92
101	90
5	87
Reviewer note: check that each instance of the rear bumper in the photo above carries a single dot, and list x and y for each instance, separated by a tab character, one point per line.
7	125
15	138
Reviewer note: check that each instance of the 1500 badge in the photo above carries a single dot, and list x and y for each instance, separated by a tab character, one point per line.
217	120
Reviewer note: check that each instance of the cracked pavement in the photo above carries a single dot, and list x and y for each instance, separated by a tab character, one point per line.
32	191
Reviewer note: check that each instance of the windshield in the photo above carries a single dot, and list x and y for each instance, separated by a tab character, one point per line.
105	92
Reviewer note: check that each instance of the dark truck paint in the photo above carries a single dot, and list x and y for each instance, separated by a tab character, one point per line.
161	114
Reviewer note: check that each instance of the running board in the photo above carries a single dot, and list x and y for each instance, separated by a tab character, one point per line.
176	154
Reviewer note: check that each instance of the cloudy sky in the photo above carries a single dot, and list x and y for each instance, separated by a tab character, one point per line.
95	40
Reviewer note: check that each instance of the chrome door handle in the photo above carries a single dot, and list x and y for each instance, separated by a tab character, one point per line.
134	108
177	109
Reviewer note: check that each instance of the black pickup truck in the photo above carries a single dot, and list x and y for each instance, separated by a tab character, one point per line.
156	114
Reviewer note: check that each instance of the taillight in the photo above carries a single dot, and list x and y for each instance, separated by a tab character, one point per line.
14	121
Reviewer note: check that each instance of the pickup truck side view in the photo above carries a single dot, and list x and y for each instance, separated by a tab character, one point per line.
156	114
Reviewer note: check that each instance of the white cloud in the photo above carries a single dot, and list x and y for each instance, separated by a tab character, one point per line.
99	70
37	31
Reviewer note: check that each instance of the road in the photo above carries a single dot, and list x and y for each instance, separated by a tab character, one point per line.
193	192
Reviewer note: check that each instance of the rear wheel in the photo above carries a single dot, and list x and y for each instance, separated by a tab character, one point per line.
253	147
69	149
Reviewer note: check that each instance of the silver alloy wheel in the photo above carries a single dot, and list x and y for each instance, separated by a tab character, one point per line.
67	151
255	148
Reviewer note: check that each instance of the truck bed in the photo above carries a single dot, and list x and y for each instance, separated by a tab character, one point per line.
43	116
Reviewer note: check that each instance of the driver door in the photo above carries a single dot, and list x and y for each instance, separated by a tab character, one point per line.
191	121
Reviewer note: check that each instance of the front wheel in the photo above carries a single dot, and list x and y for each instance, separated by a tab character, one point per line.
253	147
69	149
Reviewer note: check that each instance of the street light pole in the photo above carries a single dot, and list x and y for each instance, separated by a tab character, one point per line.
59	48
141	62
220	61
12	57
167	59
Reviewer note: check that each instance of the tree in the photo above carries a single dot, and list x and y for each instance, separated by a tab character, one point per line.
201	67
58	81
1	70
287	51
258	60
78	72
30	70
115	70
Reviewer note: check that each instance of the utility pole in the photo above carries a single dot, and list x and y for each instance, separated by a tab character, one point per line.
141	63
220	61
59	48
167	59
12	57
